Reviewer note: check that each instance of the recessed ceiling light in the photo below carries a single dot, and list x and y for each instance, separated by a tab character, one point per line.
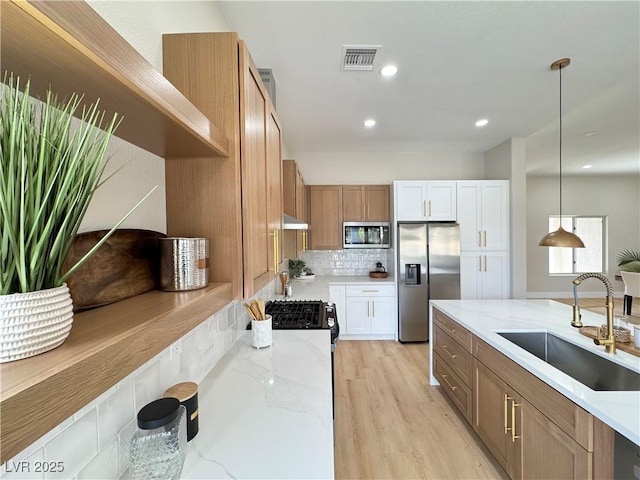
369	122
587	166
482	122
389	70
590	134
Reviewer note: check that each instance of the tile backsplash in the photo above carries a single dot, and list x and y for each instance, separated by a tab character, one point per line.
347	262
94	442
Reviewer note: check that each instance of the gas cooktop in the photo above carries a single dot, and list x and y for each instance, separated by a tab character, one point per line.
294	314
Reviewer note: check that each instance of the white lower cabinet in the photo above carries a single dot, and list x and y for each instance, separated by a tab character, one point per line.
370	310
484	275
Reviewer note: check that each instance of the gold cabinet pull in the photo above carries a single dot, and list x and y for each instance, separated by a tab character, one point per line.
424	208
444	377
275	249
513	420
484	234
485	263
479	238
506	415
368	314
373	308
479	263
429	208
452	355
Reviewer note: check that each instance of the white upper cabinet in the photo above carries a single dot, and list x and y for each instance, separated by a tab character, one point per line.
425	200
483	208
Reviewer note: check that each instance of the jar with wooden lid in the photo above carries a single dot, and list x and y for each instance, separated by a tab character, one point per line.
187	393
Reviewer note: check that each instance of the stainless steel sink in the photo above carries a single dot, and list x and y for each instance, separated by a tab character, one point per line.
586	367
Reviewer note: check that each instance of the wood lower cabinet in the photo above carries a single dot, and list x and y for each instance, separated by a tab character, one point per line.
545	451
452	362
524	441
492	415
325	217
533	431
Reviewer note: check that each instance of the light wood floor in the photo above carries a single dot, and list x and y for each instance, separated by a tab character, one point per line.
390	423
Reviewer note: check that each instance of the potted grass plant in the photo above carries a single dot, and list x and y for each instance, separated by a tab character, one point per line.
50	167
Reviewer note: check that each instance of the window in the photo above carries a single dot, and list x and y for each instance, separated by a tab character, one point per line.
579	260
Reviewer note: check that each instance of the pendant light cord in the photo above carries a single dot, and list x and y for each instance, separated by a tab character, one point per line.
560	150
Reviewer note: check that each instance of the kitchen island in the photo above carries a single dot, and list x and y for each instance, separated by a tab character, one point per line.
267	413
483	318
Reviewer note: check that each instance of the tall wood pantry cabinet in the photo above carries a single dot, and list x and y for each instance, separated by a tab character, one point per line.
216	73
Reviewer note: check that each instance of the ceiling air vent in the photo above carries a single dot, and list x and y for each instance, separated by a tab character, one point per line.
266	74
359	57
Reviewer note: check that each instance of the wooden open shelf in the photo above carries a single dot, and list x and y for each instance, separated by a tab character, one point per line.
67	46
105	345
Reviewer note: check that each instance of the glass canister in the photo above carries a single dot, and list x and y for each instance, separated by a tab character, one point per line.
159	446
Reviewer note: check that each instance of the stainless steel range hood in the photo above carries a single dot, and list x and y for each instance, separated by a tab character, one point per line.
292	223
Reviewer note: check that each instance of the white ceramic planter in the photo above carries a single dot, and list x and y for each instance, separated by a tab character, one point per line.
34	323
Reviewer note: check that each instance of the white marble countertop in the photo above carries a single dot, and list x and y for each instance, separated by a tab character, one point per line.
318	287
266	413
620	410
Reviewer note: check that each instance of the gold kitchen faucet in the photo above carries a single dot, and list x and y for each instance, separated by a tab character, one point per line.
609	341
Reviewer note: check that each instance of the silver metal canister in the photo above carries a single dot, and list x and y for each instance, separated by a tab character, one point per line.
184	263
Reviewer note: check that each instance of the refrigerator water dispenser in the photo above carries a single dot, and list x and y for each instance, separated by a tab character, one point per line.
412	274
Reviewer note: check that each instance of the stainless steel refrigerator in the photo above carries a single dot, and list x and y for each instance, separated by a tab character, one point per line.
428	268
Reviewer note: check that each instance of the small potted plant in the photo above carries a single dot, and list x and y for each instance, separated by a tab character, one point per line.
296	267
50	167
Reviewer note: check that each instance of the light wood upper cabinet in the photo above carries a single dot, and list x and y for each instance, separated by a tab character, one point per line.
215	71
433	201
365	203
325	216
295	202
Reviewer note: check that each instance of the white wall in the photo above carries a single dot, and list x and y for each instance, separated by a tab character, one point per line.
617	197
142	24
372	168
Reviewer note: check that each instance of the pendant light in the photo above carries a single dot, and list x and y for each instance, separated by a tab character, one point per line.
560	237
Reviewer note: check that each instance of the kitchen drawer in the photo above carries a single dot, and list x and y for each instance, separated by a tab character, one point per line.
457	358
370	290
456	390
453	329
571	418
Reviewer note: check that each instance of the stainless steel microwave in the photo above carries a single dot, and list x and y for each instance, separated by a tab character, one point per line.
365	235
